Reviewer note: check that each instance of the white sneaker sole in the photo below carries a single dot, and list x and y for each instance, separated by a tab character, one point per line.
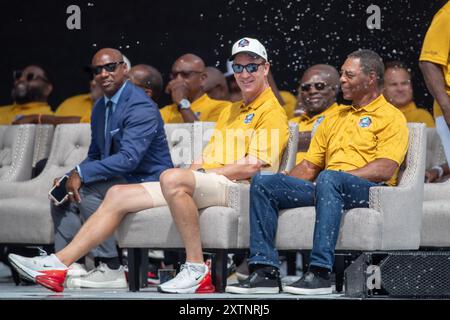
304	291
24	271
78	283
231	289
178	290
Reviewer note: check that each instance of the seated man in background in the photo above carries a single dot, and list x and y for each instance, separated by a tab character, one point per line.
215	84
148	78
75	109
318	90
31	89
398	90
190	102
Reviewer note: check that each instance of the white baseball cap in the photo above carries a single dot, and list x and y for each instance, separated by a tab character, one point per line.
248	45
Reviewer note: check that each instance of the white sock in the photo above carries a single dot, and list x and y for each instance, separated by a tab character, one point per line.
198	267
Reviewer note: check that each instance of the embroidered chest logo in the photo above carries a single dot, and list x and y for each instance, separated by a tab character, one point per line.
365	122
249	118
316	124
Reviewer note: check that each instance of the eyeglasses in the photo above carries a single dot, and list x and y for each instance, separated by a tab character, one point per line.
183	74
251	67
30	76
318	85
109	67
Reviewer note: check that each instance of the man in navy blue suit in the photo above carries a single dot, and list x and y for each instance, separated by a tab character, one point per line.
128	145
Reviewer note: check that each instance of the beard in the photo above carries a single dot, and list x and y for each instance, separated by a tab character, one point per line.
22	94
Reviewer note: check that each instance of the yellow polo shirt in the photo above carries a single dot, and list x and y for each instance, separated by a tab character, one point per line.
352	138
205	108
290	102
259	129
77	106
307	124
8	115
436	47
414	114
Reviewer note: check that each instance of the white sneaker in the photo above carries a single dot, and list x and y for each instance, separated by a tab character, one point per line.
193	278
76	270
100	277
47	271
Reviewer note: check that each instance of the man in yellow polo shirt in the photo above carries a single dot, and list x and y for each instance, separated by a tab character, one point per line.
80	106
31	90
318	89
435	66
190	102
358	147
398	91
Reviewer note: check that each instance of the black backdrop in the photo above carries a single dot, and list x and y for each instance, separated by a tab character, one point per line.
296	33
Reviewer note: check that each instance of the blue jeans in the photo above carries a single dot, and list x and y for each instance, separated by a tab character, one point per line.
334	192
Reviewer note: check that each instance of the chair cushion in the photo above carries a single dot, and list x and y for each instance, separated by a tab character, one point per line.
154	228
435	224
360	229
26	220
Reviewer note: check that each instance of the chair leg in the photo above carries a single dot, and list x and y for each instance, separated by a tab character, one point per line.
291	262
134	261
219	269
143	268
342	261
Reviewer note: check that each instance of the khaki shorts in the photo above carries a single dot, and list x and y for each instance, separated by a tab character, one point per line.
211	189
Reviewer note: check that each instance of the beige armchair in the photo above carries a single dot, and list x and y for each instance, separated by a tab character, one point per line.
24	207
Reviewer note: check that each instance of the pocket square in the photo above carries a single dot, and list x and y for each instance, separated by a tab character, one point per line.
113	132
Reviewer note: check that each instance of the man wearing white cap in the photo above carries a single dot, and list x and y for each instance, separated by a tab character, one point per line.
230	156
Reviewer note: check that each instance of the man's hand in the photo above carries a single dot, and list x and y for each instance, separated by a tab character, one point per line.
73	184
431	175
178	90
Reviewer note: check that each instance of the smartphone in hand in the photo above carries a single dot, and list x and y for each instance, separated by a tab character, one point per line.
58	194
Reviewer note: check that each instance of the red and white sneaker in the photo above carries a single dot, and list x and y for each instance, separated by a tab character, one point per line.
47	271
193	278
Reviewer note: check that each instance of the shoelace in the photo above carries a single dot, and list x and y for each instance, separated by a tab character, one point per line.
186	271
100	268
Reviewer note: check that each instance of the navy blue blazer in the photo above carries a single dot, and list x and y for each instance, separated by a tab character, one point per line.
136	148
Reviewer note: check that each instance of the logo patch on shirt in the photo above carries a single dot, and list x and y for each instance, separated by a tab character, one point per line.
365	122
316	124
249	118
243	43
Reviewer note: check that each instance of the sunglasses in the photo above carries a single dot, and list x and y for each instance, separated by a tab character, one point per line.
30	76
183	74
109	67
318	85
251	67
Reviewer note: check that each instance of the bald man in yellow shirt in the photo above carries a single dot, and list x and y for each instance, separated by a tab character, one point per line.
31	90
398	90
361	146
190	102
318	90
